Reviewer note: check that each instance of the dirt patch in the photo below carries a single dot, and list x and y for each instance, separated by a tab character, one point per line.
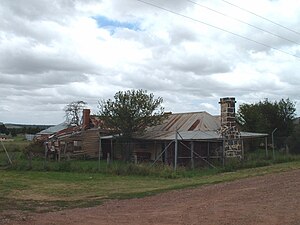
267	200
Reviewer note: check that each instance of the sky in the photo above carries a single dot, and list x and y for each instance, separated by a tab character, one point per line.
190	53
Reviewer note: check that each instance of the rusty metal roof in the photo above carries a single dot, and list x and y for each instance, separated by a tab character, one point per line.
183	122
190	126
202	121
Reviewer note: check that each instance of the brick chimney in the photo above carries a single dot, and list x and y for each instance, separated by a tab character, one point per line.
85	119
230	133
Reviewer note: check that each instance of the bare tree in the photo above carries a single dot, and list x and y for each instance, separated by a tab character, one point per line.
73	112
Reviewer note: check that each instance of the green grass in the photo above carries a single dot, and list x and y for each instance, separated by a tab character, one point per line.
78	183
14	148
44	191
17	145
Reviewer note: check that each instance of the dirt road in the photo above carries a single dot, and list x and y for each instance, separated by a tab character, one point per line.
268	200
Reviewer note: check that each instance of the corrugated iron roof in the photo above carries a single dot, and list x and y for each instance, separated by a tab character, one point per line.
54	129
188	122
191	126
183	122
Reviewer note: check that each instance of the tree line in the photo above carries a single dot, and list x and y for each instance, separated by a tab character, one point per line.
131	111
22	129
272	116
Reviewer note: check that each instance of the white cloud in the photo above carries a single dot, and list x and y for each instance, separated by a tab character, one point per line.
55	52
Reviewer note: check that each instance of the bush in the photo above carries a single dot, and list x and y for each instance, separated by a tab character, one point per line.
35	147
294	141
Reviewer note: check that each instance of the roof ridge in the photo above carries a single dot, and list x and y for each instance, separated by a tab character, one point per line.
190	112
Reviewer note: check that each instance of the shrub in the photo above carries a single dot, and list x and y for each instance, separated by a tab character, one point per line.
294	141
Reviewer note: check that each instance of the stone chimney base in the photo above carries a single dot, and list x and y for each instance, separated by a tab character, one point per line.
229	131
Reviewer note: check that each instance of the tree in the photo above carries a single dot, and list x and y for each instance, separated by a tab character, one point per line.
287	114
3	129
265	116
73	112
294	140
131	112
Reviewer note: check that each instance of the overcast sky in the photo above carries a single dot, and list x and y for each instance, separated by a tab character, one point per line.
59	51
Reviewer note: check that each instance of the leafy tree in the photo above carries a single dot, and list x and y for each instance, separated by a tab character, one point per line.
131	112
265	116
286	114
3	129
73	112
294	140
13	132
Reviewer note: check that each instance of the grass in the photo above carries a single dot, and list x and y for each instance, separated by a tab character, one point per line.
17	145
46	191
252	160
77	183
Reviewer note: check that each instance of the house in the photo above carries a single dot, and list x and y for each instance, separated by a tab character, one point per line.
196	137
83	140
182	138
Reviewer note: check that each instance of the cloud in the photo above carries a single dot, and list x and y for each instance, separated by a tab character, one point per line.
55	52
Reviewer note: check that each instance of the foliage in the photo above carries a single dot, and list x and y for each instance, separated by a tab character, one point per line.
35	147
294	141
73	112
3	129
131	112
265	116
27	129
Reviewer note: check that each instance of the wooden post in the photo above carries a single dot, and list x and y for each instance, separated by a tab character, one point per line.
176	150
192	155
7	155
135	159
273	146
243	152
208	150
266	147
166	153
99	153
46	154
112	149
58	152
223	152
108	158
155	151
65	149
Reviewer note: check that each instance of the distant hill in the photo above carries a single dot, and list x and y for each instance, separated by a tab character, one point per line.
21	126
16	129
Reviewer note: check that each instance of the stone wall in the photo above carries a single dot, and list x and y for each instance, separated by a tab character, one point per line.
229	131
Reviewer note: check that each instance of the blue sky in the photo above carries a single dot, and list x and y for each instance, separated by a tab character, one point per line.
104	22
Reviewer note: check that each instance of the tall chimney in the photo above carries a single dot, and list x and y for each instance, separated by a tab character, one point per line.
85	118
230	133
227	112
